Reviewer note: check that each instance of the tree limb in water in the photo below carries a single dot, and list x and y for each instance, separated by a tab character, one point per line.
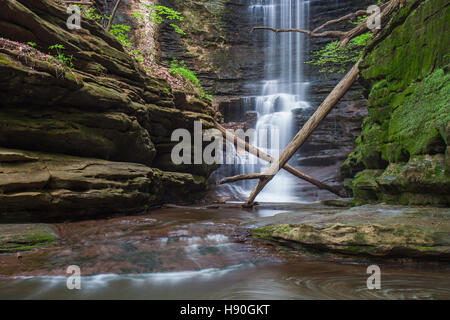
300	138
240	177
239	143
333	98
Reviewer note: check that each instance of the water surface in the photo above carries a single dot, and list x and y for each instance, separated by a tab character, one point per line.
181	253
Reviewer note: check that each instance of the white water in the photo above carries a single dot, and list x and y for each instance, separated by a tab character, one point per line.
283	89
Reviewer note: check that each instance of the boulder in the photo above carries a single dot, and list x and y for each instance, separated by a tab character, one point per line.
371	231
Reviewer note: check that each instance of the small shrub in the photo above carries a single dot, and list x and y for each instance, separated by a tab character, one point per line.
60	56
180	69
334	58
120	31
159	14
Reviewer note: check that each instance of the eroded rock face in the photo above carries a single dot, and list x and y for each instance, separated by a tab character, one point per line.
404	141
58	187
105	108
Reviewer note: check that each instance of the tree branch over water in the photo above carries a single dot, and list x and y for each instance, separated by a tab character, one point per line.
384	14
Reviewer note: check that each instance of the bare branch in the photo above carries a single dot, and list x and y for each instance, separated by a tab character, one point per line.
240	177
344	36
346	17
79	2
326	34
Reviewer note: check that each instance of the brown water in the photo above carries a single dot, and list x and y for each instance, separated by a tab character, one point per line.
182	253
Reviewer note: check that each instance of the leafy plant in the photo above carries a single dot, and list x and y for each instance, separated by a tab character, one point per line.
159	14
358	20
32	44
60	56
334	58
120	31
180	69
91	13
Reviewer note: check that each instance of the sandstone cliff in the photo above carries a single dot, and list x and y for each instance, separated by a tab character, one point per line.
85	140
402	154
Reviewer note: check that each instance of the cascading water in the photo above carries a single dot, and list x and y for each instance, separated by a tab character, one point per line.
283	89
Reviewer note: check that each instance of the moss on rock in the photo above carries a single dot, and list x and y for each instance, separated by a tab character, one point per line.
409	114
24	237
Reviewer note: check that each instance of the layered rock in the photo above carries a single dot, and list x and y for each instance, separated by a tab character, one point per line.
103	108
49	187
372	231
217	45
403	149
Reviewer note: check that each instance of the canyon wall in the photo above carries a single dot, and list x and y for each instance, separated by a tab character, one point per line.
402	154
85	140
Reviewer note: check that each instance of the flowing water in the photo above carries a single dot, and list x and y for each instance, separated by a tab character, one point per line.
197	253
283	90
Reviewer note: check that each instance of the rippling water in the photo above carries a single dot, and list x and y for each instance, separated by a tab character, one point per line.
197	254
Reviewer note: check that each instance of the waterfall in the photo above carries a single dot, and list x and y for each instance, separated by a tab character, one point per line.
282	90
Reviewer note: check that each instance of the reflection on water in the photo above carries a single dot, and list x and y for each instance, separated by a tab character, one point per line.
196	254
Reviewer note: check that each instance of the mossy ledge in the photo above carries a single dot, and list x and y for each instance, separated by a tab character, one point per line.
25	237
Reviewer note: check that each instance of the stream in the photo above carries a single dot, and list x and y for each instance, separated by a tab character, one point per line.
194	253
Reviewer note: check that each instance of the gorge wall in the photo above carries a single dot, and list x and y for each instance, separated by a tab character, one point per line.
403	155
86	140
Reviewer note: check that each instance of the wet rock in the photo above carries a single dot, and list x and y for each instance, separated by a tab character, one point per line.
58	187
24	237
11	156
377	231
251	117
422	180
112	136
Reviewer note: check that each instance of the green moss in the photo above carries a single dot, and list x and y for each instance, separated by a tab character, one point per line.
360	238
365	186
263	233
27	242
360	249
409	109
416	124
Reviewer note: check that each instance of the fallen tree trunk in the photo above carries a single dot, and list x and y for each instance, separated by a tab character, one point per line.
239	143
300	138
